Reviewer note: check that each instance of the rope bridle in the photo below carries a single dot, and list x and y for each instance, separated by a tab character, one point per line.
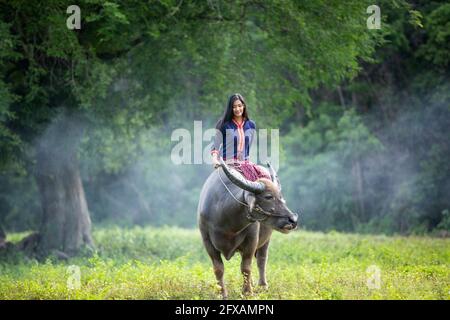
265	214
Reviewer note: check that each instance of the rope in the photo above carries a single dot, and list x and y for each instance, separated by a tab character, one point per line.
229	191
256	208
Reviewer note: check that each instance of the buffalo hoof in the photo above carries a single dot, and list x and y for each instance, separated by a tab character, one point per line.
224	294
247	291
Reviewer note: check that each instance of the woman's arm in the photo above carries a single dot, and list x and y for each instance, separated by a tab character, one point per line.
215	150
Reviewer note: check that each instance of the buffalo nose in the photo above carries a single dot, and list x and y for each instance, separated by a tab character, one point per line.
293	219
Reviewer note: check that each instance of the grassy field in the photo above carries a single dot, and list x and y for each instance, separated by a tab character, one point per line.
171	263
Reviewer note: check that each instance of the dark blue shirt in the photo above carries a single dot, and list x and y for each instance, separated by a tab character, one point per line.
237	139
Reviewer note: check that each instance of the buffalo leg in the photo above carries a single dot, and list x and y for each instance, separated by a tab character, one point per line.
261	260
248	252
217	266
246	269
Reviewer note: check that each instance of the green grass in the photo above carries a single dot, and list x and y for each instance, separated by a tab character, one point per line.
171	263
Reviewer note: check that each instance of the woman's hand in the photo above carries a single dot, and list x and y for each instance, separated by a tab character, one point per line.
215	161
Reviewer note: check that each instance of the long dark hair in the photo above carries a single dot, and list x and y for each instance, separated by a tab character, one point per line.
228	113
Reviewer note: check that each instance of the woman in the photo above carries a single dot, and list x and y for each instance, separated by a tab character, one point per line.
235	132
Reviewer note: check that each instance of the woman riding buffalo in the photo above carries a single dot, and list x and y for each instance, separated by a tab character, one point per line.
234	137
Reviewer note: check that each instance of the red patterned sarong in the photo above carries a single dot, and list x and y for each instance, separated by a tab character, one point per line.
249	170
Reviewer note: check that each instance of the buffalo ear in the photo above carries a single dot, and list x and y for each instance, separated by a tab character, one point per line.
250	199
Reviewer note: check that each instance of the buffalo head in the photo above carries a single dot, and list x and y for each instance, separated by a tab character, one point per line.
264	200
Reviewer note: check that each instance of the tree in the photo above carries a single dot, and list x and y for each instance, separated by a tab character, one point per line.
110	78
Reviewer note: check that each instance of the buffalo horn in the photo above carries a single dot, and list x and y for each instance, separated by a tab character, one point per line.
240	181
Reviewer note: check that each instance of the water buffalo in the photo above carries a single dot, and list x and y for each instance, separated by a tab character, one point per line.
235	214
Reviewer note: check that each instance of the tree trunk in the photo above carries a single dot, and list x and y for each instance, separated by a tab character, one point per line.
341	96
66	225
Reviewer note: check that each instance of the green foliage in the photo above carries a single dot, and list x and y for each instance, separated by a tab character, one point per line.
436	47
19	201
137	70
321	171
197	52
9	141
445	222
171	263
